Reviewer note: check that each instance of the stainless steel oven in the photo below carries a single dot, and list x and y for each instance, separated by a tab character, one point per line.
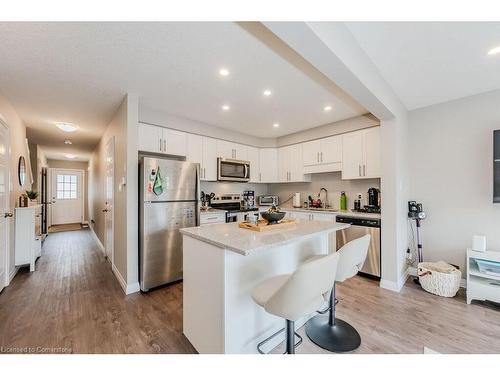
359	227
233	170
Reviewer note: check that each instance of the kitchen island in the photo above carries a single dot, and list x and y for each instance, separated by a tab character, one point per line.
222	263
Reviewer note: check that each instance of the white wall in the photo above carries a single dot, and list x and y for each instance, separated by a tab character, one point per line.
17	148
123	127
452	174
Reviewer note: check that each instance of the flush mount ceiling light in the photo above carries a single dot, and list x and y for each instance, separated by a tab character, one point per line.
267	92
68	142
66	126
223	72
494	51
226	108
70	156
276	125
328	108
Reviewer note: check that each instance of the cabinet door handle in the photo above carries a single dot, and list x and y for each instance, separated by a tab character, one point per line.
317	156
260	176
364	170
359	170
160	144
322	156
164	145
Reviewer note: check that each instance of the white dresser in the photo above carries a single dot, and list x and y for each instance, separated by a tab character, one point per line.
28	242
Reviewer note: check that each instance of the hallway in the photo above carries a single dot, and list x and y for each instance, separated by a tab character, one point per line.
73	303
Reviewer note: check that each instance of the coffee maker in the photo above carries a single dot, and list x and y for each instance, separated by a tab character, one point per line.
373	198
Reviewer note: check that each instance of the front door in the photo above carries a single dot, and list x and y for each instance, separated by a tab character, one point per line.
67	196
108	209
4	204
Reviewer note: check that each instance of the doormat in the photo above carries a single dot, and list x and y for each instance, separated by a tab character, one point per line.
65	227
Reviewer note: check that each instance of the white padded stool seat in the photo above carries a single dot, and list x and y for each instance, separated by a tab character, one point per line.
265	290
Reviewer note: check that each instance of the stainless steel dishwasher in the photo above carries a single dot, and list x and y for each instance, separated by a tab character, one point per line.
359	227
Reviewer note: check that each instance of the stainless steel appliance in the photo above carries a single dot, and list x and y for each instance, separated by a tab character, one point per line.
233	170
268	200
359	227
169	191
373	197
232	204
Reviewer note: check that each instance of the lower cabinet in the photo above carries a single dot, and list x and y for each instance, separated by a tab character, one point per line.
28	246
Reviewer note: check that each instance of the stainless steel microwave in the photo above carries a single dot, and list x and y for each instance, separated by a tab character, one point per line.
233	170
268	200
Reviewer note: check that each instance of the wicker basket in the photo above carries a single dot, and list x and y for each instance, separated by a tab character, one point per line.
438	279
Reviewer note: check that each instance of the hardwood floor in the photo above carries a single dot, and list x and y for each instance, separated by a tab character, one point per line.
74	302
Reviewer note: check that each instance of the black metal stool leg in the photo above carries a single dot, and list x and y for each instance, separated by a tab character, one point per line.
290	337
331	333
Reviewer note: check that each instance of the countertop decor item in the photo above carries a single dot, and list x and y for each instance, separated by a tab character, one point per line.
273	217
32	194
263	225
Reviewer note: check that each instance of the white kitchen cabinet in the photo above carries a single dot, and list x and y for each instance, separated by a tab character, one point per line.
290	164
216	217
361	154
203	150
162	140
268	161
27	242
253	158
322	155
319	216
231	150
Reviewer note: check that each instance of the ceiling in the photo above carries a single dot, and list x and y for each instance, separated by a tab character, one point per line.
80	72
432	62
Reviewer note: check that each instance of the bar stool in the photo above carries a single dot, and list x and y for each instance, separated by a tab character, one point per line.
297	295
329	332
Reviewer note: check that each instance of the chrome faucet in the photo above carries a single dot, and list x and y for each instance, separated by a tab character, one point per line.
325	202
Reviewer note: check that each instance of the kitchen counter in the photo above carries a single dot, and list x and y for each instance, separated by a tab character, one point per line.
223	263
245	242
334	212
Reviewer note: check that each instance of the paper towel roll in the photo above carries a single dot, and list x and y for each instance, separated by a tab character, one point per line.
478	242
296	200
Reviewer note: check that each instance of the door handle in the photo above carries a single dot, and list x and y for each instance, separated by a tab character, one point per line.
105	210
7	214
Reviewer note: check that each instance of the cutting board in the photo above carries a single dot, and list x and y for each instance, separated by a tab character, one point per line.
263	225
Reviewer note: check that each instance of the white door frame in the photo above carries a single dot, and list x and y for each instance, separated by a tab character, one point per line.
51	172
110	143
6	280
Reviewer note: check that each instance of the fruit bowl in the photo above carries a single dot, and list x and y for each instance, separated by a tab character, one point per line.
273	217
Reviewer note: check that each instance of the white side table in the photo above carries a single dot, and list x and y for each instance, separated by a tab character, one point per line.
481	286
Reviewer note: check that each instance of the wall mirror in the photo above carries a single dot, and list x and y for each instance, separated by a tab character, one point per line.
21	170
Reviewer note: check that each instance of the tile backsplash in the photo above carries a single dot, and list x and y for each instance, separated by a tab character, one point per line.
330	181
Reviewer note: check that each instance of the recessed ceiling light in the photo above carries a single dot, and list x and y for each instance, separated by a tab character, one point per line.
328	108
65	126
70	156
226	108
68	142
494	51
276	125
267	92
224	72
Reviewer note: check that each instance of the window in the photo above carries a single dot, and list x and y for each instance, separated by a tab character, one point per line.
66	186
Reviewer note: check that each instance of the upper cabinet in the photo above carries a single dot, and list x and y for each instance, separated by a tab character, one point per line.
361	154
162	140
231	150
254	158
290	164
268	165
203	150
323	155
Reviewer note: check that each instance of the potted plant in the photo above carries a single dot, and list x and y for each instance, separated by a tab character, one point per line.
32	195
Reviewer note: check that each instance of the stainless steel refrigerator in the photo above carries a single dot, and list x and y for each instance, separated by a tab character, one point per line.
169	191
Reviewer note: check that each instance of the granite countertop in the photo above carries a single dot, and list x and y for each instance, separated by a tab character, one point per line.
245	242
334	212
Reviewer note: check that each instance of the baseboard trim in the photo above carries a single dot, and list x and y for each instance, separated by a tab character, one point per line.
413	272
127	289
99	243
395	287
13	274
